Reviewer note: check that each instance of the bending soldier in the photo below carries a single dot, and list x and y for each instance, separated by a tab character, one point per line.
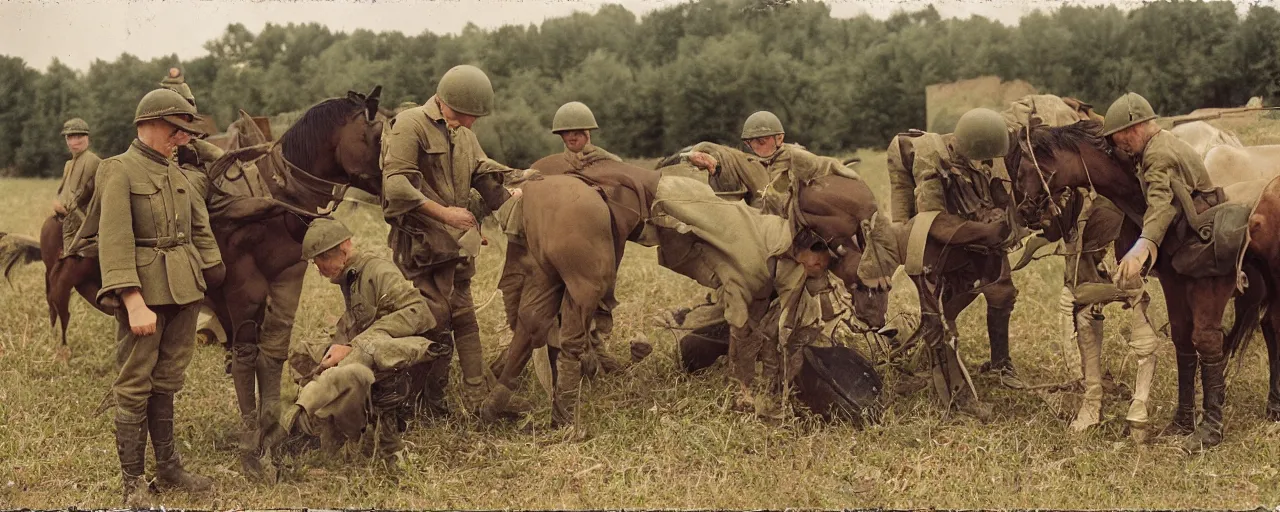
156	252
430	162
953	187
382	343
1165	163
76	188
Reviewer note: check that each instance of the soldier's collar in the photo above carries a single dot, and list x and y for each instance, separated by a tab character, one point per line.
349	272
151	154
433	110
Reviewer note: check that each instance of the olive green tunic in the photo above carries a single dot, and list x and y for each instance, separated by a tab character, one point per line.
75	191
1166	160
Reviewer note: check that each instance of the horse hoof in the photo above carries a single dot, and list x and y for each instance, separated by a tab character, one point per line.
1138	432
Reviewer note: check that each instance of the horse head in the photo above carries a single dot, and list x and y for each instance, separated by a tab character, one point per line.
1047	164
339	141
833	211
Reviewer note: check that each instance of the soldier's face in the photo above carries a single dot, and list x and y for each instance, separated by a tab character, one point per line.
815	263
77	143
765	147
455	119
331	262
1131	140
575	140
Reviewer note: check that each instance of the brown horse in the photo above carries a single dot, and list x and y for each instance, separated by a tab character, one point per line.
575	228
1075	157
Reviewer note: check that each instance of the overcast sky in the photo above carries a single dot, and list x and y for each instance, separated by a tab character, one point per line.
79	31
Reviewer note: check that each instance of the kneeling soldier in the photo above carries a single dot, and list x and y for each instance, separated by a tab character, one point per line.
375	362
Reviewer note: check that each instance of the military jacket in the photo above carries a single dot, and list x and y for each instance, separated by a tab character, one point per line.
928	175
739	176
153	233
789	168
76	188
566	160
423	159
381	305
1165	160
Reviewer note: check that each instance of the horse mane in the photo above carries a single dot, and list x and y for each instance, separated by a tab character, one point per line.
1046	140
307	137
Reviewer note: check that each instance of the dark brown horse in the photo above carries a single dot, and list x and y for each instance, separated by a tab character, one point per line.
1053	159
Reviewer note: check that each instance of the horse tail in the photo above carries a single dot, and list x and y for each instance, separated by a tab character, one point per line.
17	250
1248	306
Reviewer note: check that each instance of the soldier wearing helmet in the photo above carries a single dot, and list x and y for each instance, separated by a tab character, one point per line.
957	183
1166	164
76	188
157	255
573	122
431	160
386	332
801	277
199	154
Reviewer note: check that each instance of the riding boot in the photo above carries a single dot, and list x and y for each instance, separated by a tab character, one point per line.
998	331
268	372
1209	432
131	446
1273	396
169	471
1184	419
568	382
433	401
1089	339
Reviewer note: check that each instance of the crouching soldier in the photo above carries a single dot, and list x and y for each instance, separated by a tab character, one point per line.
376	362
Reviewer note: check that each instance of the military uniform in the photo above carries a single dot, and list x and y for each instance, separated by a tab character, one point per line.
385	323
154	236
423	159
738	175
76	189
931	174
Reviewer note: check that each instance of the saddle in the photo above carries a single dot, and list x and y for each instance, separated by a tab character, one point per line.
1212	234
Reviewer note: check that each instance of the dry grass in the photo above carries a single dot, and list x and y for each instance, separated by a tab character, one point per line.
651	438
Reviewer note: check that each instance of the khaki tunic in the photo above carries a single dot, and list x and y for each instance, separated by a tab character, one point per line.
740	175
1165	160
74	193
938	180
566	160
788	168
153	233
383	323
423	159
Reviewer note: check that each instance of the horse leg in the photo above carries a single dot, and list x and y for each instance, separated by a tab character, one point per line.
950	385
534	317
244	292
1269	326
575	328
1184	418
58	294
1209	298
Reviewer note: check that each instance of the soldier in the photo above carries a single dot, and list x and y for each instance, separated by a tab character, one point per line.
156	253
956	180
430	162
800	278
386	331
1088	225
76	188
1164	162
731	173
573	122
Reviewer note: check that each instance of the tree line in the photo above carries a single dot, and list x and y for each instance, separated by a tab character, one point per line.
678	75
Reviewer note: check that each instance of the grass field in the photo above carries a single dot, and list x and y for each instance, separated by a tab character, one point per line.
650	438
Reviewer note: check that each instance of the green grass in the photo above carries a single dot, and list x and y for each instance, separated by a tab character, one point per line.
650	438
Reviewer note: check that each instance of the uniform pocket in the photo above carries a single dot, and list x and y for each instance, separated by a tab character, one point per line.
144	200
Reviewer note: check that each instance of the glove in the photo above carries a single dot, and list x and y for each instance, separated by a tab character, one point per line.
1129	274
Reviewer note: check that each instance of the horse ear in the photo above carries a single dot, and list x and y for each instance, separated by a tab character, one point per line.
355	96
377	91
371	102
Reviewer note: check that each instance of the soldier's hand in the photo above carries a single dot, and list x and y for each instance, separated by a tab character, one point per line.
458	217
58	208
703	161
516	192
335	355
142	320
